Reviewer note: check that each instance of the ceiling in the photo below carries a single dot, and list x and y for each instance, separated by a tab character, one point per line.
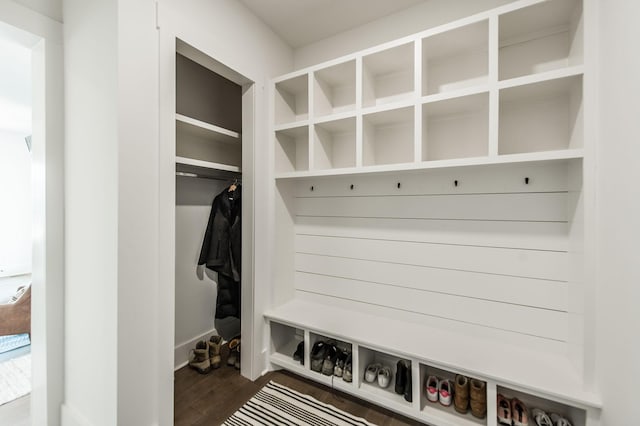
302	22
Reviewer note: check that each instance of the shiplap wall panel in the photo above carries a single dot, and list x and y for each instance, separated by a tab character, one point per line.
519	291
523	235
504	316
500	261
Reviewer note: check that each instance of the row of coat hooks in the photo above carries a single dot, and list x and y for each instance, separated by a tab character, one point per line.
399	184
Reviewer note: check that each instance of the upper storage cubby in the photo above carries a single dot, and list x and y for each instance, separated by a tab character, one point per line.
388	76
292	149
335	89
456	59
545	116
388	137
292	100
539	38
335	144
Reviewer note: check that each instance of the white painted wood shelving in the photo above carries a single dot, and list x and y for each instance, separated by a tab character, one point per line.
430	206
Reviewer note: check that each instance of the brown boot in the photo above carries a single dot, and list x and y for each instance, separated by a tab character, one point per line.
234	352
215	342
461	395
478	398
200	358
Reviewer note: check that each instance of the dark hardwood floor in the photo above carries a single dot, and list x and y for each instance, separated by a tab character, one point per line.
210	399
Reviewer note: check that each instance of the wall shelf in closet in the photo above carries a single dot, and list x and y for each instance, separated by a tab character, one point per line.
206	130
207	164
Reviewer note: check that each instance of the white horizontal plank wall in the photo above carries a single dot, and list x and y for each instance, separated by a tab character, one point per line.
476	250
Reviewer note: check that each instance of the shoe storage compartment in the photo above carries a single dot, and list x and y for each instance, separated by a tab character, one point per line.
577	416
435	410
539	38
335	144
341	345
284	342
367	357
545	116
292	100
292	149
456	128
388	76
456	59
388	137
335	89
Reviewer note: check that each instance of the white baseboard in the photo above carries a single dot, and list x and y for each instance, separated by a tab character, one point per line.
71	417
181	351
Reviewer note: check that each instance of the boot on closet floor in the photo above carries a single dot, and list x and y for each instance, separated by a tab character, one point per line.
234	353
215	343
461	394
199	358
478	398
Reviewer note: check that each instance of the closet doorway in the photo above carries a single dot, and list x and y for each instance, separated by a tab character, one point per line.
207	132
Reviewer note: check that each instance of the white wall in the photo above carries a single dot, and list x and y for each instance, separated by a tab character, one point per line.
16	214
49	8
618	212
409	21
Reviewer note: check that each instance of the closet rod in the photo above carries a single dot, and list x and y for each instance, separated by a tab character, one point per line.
195	175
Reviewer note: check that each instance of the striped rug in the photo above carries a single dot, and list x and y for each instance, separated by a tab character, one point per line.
278	405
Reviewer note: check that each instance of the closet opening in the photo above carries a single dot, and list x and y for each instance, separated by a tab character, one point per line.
213	218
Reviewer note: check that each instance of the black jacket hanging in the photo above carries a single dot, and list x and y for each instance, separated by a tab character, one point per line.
221	248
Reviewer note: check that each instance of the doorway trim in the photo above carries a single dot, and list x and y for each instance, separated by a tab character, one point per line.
44	37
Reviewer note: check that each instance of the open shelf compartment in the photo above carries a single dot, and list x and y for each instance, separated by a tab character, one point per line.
545	116
456	59
292	100
388	76
367	357
339	344
388	137
577	416
539	38
284	342
335	89
335	144
292	149
456	128
435	410
201	144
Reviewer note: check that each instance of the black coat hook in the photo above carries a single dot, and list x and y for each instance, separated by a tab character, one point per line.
526	181
455	183
311	187
351	187
398	185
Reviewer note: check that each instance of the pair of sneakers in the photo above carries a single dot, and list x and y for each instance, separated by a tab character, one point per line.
439	390
543	419
378	372
206	355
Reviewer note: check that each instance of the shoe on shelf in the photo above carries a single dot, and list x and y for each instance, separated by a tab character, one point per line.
478	398
371	373
330	358
318	352
199	358
519	413
401	377
504	410
384	377
559	420
541	418
347	373
234	352
338	369
431	388
236	364
461	394
408	386
445	392
215	343
298	355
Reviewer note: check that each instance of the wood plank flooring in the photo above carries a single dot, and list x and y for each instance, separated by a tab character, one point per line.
210	399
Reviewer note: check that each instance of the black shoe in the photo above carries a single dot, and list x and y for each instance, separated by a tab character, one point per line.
298	355
330	358
318	352
347	374
401	377
408	390
338	369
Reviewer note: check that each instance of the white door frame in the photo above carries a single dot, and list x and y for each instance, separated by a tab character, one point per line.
44	37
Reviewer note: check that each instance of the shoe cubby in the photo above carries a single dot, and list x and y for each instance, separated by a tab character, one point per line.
335	89
292	100
576	416
292	149
456	59
456	128
284	342
388	76
544	116
320	365
388	137
539	38
335	144
436	410
368	357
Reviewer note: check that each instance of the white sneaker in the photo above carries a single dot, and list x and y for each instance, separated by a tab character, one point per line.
559	420
445	392
371	374
384	377
540	417
431	388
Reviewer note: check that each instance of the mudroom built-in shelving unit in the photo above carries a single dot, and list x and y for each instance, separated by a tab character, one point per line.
430	207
